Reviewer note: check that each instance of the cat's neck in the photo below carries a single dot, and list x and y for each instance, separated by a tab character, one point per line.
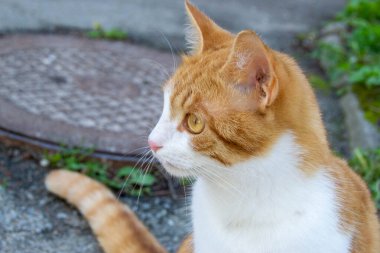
272	185
297	108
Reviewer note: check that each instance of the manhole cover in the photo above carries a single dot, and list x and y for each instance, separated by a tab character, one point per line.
76	91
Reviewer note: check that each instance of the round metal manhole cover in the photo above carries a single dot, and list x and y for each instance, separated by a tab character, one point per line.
110	86
76	91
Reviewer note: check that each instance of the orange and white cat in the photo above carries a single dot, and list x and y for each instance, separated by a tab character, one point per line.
243	120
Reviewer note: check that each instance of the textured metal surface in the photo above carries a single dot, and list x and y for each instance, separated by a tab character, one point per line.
110	88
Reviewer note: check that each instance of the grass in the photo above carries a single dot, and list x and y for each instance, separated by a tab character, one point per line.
367	165
126	179
3	183
98	32
355	63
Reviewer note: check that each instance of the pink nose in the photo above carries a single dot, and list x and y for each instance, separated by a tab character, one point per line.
154	146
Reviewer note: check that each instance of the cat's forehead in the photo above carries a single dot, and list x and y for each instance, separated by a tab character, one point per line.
199	72
198	86
208	98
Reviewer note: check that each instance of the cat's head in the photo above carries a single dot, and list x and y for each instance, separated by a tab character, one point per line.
220	106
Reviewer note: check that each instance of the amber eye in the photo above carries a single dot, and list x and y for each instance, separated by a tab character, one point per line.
194	123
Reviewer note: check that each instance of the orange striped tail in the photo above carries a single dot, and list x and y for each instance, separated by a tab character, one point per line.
114	224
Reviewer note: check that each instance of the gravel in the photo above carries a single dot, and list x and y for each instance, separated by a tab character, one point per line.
32	220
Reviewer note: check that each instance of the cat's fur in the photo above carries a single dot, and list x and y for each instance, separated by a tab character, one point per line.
266	178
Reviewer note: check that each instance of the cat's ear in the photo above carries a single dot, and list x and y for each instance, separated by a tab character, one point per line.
249	69
202	33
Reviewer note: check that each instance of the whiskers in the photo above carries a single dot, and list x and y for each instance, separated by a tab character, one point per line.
216	174
171	50
159	66
185	193
145	161
146	170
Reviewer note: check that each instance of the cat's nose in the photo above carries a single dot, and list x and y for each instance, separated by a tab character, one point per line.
154	146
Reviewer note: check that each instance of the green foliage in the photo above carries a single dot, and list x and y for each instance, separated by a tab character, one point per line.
318	82
370	102
334	57
362	9
136	177
358	57
4	183
367	165
127	179
98	32
369	75
364	39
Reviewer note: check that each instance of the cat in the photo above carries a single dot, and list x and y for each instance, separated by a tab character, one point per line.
243	120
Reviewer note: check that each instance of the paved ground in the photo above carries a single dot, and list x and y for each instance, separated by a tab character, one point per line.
278	21
33	221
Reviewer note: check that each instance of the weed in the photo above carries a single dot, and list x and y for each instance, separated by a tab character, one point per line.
367	165
98	32
127	179
358	57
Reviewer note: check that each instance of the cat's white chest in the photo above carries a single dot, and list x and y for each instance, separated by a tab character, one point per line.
302	231
283	212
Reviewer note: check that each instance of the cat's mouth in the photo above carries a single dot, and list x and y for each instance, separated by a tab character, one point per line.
175	170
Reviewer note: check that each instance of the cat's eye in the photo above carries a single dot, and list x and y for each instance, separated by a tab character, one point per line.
194	123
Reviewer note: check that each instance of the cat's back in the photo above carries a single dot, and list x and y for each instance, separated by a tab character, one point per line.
357	211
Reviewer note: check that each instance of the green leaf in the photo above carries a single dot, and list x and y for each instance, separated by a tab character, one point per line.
115	34
143	179
136	176
125	171
54	158
127	178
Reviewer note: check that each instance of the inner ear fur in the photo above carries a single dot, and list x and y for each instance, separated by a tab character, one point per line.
249	68
203	33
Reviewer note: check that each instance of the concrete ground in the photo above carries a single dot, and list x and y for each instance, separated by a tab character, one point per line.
33	221
149	20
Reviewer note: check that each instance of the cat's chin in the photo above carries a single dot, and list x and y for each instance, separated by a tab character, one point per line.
175	171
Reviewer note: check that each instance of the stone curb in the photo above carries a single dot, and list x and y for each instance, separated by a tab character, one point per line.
362	134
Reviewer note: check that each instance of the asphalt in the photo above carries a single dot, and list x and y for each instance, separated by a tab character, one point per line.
150	21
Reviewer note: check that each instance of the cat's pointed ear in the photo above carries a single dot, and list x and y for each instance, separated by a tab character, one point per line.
250	70
203	33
